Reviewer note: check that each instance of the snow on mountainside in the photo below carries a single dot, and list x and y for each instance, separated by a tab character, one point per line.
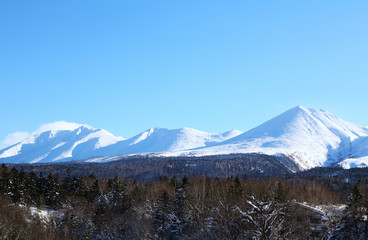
62	141
59	141
310	137
163	139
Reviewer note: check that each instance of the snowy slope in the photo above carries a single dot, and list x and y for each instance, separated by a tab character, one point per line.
359	158
163	139
310	137
60	141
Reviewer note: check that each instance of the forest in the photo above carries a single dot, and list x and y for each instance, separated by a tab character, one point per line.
151	168
38	206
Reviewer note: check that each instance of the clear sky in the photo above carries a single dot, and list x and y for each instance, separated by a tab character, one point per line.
127	66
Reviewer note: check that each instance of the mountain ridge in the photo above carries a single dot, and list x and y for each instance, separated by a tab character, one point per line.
79	142
310	137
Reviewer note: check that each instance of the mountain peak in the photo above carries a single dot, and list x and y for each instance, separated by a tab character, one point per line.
59	141
60	126
302	108
298	110
312	137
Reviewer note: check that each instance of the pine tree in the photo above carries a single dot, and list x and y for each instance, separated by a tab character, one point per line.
178	221
31	196
41	187
174	215
354	202
353	225
280	194
236	190
117	194
52	191
22	186
4	178
13	187
93	192
66	188
174	181
162	216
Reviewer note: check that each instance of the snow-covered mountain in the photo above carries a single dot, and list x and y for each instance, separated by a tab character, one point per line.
310	137
167	140
62	141
59	141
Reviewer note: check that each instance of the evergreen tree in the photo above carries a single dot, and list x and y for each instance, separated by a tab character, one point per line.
13	187
354	224
162	216
93	193
22	186
180	215
280	194
174	181
65	188
354	202
52	191
76	187
4	178
178	220
117	194
41	187
236	190
32	192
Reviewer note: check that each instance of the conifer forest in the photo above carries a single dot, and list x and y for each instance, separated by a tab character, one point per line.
46	206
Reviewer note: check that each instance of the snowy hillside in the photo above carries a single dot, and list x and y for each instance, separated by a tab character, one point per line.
163	139
310	137
60	141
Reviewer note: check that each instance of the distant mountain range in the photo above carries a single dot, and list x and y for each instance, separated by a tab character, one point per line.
309	137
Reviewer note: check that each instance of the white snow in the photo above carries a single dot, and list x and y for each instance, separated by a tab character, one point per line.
46	216
162	140
39	158
316	209
29	138
13	138
65	142
79	142
354	163
59	145
311	137
60	126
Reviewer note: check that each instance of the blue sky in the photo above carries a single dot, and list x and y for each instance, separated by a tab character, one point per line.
126	66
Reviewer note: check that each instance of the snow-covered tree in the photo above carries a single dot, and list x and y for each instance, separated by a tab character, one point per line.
32	196
354	223
117	195
162	216
52	191
265	219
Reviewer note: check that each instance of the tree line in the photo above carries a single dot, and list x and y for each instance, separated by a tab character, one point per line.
172	208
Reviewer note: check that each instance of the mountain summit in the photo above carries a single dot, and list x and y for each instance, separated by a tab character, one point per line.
309	137
63	141
169	140
60	141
